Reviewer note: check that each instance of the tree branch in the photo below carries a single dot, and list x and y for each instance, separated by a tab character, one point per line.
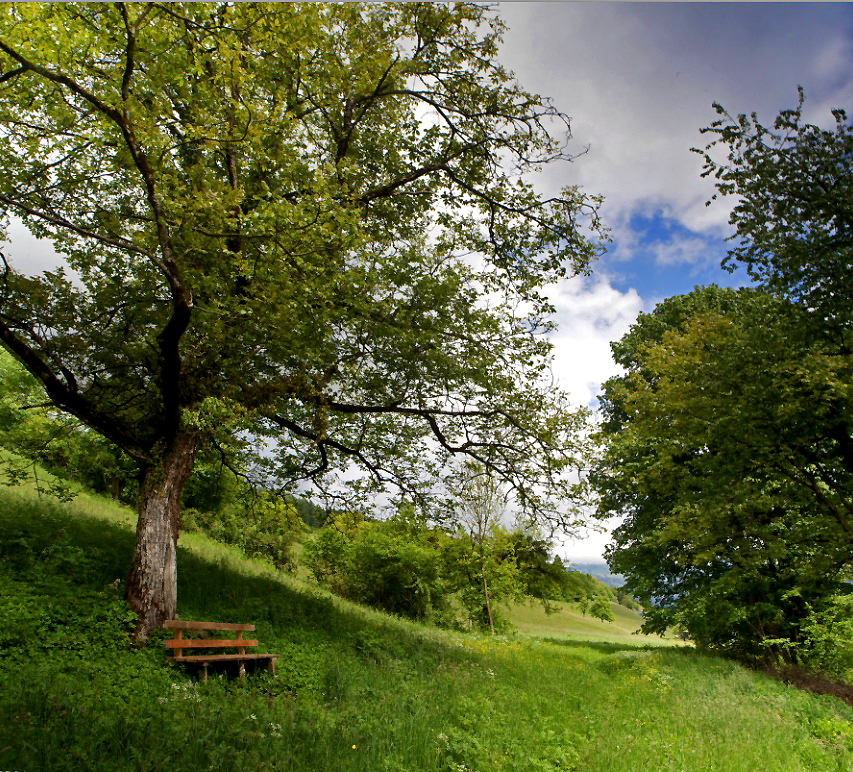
69	399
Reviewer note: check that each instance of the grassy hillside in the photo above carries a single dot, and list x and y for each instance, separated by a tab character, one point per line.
570	622
356	690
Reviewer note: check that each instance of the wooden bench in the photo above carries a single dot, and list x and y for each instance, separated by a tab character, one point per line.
179	644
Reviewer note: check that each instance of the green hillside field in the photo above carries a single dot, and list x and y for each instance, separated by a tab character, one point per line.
355	690
569	622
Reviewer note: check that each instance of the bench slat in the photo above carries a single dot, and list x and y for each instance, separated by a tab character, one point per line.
202	643
180	624
223	657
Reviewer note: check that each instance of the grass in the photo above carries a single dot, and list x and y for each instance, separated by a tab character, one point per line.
569	621
356	690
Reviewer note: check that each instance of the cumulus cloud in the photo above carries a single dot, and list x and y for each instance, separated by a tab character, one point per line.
590	314
639	80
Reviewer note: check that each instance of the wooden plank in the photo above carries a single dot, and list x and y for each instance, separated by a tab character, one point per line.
206	643
180	624
223	657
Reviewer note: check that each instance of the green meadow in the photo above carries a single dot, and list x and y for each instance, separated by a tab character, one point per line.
355	689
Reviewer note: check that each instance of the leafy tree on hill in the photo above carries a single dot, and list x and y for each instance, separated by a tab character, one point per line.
599	607
729	440
480	507
282	222
726	451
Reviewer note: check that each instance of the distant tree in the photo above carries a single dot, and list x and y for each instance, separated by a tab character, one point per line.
600	608
481	505
308	225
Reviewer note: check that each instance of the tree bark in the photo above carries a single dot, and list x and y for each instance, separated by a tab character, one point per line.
152	583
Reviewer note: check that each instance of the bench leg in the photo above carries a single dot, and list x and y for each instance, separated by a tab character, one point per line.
204	672
271	667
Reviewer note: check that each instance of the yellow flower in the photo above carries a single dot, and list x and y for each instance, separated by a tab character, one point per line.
353	747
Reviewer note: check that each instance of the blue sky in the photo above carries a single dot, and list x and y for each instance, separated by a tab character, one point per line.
639	80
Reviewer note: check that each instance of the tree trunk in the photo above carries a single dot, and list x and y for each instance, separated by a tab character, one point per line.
152	583
488	605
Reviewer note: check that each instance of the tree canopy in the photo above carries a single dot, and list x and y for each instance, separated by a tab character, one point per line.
727	451
728	442
305	228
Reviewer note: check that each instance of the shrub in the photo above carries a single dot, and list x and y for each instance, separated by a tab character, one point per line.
263	526
828	638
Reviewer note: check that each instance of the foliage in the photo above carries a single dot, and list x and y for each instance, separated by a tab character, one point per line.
37	431
726	451
395	566
828	637
406	567
598	607
267	216
794	210
490	560
260	523
479	505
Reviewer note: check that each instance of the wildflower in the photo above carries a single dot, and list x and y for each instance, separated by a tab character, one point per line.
253	717
353	747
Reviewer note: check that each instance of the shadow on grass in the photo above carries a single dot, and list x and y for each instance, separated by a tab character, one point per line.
44	541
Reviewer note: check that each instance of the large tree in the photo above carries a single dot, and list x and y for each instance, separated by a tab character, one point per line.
306	226
728	446
729	440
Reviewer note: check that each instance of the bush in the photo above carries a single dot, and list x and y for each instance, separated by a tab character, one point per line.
263	526
828	638
388	565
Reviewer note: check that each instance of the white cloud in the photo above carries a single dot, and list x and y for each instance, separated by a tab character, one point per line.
639	80
590	314
682	250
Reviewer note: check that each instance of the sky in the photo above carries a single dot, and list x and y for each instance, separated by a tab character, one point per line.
638	81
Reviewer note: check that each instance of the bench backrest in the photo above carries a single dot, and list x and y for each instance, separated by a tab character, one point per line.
179	643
